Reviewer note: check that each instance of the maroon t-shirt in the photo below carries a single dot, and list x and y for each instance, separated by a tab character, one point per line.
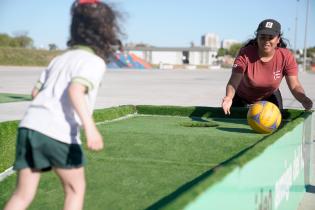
261	79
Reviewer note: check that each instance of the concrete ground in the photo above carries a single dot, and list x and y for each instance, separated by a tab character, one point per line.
154	87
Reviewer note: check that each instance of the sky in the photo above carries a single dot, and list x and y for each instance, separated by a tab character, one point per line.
164	23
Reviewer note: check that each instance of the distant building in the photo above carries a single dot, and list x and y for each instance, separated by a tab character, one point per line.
210	40
227	43
175	55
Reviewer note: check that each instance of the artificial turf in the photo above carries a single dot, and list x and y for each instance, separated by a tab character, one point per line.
145	159
7	144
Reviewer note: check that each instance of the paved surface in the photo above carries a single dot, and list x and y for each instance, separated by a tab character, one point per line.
156	87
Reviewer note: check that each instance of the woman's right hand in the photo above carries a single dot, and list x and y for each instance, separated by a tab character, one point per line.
226	104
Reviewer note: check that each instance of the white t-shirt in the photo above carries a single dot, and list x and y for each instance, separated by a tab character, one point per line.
51	112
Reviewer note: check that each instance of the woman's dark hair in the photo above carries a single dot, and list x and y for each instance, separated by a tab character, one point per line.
95	25
253	42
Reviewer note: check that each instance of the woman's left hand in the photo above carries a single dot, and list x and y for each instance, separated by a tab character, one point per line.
307	103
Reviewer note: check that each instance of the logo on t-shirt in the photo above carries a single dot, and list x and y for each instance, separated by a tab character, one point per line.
276	74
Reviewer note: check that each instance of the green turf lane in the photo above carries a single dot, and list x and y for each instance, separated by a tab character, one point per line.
146	158
10	97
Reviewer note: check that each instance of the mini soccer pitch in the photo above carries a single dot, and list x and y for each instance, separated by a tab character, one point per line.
149	160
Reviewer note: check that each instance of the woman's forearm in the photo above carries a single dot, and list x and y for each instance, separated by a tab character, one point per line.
298	93
230	91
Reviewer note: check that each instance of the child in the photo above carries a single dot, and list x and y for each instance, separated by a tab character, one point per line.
63	99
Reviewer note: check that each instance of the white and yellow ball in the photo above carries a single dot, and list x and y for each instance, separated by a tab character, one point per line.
264	117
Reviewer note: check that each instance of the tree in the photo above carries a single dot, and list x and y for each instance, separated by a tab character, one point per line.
221	52
52	46
22	41
311	52
234	49
4	40
19	40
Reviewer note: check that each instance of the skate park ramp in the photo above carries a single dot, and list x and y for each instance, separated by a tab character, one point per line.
128	60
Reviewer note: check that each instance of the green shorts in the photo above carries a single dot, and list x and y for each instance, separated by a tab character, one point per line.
40	152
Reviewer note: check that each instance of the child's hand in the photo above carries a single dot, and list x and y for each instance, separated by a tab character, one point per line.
94	139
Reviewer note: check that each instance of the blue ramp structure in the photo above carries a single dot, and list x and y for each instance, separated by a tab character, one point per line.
127	60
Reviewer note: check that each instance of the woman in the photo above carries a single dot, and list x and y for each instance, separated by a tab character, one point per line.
259	68
63	99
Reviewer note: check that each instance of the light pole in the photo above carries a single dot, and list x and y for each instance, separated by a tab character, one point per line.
295	29
305	37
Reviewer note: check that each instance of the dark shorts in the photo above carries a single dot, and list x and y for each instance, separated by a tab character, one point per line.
275	98
40	152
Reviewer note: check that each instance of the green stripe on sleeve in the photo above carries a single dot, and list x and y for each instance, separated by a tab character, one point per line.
38	85
84	82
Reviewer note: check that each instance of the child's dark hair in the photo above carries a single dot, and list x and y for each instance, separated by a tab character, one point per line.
94	25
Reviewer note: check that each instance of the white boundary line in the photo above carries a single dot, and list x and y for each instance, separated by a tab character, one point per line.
6	173
117	119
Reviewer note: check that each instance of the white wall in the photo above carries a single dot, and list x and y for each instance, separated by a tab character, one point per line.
202	57
212	57
175	57
195	58
168	57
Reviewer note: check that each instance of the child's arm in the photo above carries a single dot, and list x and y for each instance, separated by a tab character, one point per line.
77	97
34	93
36	89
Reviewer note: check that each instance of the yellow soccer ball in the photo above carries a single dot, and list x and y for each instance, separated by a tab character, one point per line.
264	117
